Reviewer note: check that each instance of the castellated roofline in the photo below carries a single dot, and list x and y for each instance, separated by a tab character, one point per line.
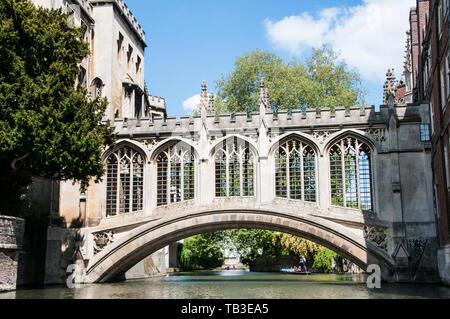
309	120
128	16
157	101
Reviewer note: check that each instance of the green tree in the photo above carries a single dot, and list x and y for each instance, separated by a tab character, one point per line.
300	246
48	127
324	259
251	243
202	252
323	81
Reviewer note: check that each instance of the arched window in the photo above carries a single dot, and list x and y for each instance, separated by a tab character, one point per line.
97	88
351	174
295	171
176	174
124	182
234	170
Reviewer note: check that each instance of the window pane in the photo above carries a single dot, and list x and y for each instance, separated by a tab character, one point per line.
111	186
189	191
295	176
234	172
365	181
221	174
163	164
309	163
138	182
124	187
351	186
281	174
425	133
337	194
248	174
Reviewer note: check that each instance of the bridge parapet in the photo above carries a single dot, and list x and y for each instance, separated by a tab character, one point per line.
374	122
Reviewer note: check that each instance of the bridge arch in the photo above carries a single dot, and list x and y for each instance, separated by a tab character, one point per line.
123	254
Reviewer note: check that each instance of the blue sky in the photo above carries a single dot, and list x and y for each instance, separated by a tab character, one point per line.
191	41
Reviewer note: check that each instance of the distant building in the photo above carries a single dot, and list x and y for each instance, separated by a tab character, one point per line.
115	66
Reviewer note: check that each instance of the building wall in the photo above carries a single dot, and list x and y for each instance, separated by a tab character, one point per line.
118	68
434	87
42	260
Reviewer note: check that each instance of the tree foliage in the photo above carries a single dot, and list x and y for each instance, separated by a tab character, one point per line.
300	246
48	127
202	252
324	259
251	243
205	251
323	81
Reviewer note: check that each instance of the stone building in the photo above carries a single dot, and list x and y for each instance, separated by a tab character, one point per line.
430	31
114	69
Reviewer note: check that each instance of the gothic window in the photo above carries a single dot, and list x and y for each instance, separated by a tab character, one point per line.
124	182
129	53
175	175
137	105
234	170
97	87
138	64
119	46
351	174
295	171
126	103
425	133
82	77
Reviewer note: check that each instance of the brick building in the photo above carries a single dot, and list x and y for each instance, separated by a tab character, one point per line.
431	82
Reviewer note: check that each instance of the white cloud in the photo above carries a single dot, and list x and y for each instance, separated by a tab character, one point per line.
370	36
191	103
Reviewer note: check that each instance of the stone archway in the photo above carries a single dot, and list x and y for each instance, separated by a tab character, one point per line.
143	241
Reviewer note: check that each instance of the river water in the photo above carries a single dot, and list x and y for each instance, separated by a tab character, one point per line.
238	285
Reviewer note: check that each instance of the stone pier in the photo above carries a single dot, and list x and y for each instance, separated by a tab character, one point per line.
11	235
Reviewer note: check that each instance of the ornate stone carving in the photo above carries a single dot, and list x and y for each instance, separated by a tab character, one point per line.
211	110
377	235
272	136
416	247
389	86
101	240
253	137
321	136
408	58
150	144
264	100
378	134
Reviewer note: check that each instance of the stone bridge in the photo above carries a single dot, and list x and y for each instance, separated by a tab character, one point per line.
356	180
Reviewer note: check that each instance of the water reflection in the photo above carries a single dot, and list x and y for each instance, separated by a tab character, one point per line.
238	285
